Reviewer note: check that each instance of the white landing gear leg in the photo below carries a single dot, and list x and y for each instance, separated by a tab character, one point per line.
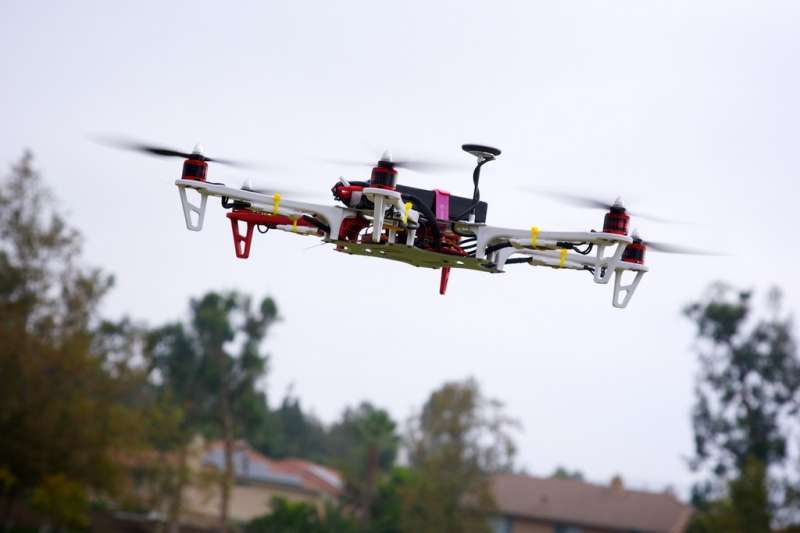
377	216
189	208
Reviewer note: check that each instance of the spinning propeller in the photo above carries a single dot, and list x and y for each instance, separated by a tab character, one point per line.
160	151
196	154
666	248
270	190
590	202
386	161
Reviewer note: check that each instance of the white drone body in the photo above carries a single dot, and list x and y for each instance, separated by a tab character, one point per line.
390	217
425	228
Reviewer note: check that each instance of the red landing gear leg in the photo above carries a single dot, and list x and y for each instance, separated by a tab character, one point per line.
443	281
241	242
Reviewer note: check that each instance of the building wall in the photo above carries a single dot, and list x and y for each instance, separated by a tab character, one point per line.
246	501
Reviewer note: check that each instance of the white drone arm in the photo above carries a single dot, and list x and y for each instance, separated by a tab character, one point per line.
331	215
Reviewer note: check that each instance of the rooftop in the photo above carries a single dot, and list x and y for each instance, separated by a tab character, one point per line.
579	503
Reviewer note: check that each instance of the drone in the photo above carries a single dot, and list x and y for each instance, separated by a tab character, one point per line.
428	228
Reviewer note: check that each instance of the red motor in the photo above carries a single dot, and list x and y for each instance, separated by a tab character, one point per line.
194	169
634	252
616	220
384	174
195	166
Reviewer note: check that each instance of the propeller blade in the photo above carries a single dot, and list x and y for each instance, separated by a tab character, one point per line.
424	166
580	200
416	165
346	162
667	248
576	200
125	143
236	164
653	218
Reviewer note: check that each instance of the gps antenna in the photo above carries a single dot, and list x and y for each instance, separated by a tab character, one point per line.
484	155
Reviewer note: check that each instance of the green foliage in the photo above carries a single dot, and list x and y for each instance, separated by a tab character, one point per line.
364	446
43	290
749	381
62	390
296	433
565	473
220	348
63	501
296	517
744	510
454	444
210	368
747	394
386	511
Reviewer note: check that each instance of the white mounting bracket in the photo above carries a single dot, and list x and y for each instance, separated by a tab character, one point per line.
189	208
624	293
382	198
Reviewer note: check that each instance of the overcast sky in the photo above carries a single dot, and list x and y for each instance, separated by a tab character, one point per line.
687	109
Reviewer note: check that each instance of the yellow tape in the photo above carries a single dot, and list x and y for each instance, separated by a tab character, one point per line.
276	201
534	236
294	224
408	206
562	259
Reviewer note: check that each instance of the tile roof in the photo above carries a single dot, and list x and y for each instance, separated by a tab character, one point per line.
315	476
578	503
250	465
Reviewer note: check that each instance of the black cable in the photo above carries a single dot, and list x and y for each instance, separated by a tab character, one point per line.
574	247
476	195
259	226
496	247
422	207
235	204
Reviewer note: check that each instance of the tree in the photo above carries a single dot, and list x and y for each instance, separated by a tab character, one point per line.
387	509
296	433
455	443
565	473
745	509
211	367
364	445
747	394
63	383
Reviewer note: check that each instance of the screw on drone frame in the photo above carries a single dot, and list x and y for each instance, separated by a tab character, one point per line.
484	155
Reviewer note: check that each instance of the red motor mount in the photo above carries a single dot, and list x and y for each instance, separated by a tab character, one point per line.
349	195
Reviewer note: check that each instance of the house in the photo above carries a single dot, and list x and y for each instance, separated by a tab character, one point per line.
257	480
529	504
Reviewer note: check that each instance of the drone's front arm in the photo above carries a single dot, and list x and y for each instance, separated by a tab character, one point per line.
332	216
556	249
